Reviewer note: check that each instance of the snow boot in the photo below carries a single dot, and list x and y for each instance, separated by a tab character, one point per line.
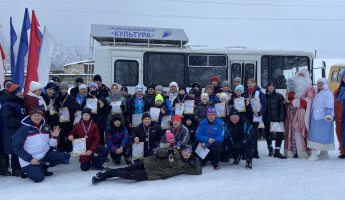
16	171
313	156
23	173
324	155
237	159
4	164
68	156
104	175
341	156
249	164
256	155
277	154
216	167
270	151
128	160
45	170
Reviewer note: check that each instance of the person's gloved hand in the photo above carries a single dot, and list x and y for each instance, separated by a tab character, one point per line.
238	146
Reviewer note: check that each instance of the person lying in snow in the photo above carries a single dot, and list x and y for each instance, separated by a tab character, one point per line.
167	162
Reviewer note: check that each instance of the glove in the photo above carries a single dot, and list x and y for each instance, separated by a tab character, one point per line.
238	146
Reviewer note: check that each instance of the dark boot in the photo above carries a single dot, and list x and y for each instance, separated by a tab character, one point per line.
104	175
237	159
16	171
277	154
249	164
4	164
23	173
270	151
256	155
45	170
117	161
341	156
128	160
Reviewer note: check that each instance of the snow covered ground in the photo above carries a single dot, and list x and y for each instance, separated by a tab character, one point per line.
270	178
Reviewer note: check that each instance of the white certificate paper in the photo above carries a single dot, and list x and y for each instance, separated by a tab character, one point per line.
136	120
240	104
220	108
202	153
154	112
165	121
92	104
179	108
79	147
189	107
64	117
116	107
78	117
138	151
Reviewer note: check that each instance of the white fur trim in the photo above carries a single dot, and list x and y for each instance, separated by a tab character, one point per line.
173	84
296	103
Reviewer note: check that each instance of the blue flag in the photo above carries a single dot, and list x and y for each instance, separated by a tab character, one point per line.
18	72
13	41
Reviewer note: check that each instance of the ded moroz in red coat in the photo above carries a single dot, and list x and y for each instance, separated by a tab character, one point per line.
92	139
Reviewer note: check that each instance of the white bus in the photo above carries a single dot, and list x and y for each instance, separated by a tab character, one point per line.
143	55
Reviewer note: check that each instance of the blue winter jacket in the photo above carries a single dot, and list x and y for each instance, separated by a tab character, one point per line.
207	130
213	99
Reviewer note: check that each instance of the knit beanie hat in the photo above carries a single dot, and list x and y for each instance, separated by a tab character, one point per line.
7	83
79	80
151	86
239	87
159	87
182	87
196	85
234	111
173	84
124	88
204	96
193	91
139	88
93	85
215	78
50	85
177	118
226	84
145	115
223	96
55	78
97	77
63	85
237	79
86	110
159	98
209	87
15	89
116	117
35	86
82	86
35	111
211	111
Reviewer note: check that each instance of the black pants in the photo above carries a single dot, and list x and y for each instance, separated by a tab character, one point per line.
269	136
65	145
256	127
248	150
135	172
101	134
213	155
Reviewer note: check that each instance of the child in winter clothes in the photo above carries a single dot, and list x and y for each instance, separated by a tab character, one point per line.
201	110
193	96
172	93
87	128
117	140
159	103
166	102
227	89
238	93
224	99
170	138
212	96
198	89
181	98
190	123
216	85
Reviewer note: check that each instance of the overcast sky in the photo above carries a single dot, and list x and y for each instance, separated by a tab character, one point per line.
269	24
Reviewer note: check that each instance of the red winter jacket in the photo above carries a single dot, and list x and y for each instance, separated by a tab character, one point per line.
92	140
30	103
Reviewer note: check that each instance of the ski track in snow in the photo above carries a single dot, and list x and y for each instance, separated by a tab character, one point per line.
270	178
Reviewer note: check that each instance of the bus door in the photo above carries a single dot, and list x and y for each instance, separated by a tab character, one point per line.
244	69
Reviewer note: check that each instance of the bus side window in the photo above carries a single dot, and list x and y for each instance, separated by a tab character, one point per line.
126	72
236	71
341	71
334	76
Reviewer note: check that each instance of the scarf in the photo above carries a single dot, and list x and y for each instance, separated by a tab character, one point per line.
38	97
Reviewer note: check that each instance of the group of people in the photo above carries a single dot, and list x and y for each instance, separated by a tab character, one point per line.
39	126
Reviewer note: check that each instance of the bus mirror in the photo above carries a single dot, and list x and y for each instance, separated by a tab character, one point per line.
323	72
324	65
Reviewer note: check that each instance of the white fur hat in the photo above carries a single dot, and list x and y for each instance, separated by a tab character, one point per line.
223	96
35	86
173	84
324	81
204	96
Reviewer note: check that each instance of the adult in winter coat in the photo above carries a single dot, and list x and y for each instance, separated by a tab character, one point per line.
275	113
102	89
339	114
150	96
87	129
180	132
136	104
181	98
49	98
253	92
147	132
115	96
173	92
33	98
117	139
227	89
13	113
193	96
198	89
239	138
81	96
99	117
124	93
211	95
56	81
210	134
65	101
74	91
201	110
237	81
167	162
321	132
32	143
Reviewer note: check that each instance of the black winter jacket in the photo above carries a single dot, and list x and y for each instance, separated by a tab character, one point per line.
152	139
275	108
